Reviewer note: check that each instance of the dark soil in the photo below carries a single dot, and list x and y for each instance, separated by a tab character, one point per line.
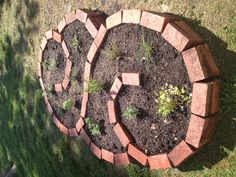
166	66
53	76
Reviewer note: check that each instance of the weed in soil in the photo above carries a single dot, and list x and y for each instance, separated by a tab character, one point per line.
68	104
93	86
171	97
113	52
75	43
50	64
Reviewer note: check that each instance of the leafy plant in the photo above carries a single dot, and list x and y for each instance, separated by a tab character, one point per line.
75	43
131	112
170	97
112	53
93	126
68	104
50	64
93	86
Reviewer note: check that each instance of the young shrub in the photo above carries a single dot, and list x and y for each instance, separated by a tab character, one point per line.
113	52
171	97
94	86
131	112
93	126
68	104
75	43
50	64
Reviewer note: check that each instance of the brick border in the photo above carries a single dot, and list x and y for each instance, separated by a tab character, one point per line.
87	17
200	66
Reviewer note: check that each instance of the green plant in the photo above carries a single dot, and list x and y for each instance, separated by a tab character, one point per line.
112	53
75	43
68	104
131	112
93	126
50	64
170	97
93	86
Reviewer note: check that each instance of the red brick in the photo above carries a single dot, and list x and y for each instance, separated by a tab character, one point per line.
57	36
96	151
181	36
56	121
49	107
122	159
73	132
61	25
48	34
39	70
111	111
205	98
131	79
65	82
100	36
114	20
85	137
41	83
81	15
43	43
108	156
153	21
58	87
79	125
200	63
87	71
92	53
70	17
131	16
92	25
68	67
160	161
137	154
115	88
122	134
180	153
200	130
40	55
84	105
65	49
64	130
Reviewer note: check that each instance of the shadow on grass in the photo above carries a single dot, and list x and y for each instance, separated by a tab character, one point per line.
224	138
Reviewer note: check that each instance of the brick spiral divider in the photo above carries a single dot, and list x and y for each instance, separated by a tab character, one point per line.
202	72
92	21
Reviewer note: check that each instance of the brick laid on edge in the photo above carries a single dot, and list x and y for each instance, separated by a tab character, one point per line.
160	161
131	16
137	154
114	20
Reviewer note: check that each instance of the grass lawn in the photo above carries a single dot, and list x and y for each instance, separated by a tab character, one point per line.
29	139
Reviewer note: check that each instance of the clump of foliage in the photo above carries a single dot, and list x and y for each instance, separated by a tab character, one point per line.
112	53
75	43
93	86
171	97
50	64
131	112
93	126
68	104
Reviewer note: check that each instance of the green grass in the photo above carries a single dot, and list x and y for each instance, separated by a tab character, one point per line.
28	137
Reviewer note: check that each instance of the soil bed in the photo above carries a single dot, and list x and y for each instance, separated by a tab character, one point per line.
77	34
148	130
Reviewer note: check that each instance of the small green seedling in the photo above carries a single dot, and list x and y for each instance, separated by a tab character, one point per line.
131	113
68	104
112	53
50	64
170	97
94	86
75	43
93	126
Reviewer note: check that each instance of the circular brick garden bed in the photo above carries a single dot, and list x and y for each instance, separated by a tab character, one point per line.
133	55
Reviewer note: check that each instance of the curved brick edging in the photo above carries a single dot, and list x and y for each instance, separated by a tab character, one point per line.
92	22
201	69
